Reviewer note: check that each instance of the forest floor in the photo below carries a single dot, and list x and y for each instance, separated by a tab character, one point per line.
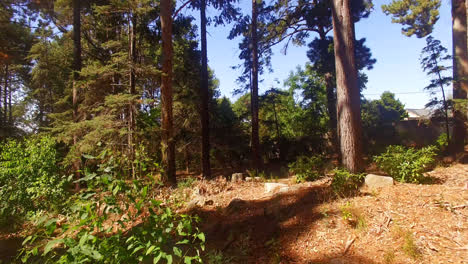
403	223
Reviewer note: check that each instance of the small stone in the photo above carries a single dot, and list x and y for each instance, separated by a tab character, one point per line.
272	187
237	177
375	181
252	179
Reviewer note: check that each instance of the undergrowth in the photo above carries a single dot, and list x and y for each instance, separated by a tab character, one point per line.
345	183
308	168
114	221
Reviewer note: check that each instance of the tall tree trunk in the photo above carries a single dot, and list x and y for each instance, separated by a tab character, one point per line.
348	97
278	131
76	76
204	92
187	160
1	106
460	70
331	107
5	96
168	144
256	159
10	110
132	91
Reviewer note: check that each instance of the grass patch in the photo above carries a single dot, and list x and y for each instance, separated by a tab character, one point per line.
353	216
409	246
389	257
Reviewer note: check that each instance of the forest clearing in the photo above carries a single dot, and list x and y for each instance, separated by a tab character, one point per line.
232	131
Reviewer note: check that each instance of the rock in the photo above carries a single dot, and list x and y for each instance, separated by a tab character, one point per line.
272	187
375	181
237	177
197	201
253	179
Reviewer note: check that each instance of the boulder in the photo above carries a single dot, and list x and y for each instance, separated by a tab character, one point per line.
237	177
272	187
376	181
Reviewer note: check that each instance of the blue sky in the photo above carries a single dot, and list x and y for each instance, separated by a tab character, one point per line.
397	68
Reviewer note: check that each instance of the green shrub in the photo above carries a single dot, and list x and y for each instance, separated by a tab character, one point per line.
186	183
407	164
308	168
29	177
442	142
346	183
114	221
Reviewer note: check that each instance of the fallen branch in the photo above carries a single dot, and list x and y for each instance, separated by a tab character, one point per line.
348	245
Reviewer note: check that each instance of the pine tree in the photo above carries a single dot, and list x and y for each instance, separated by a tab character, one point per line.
419	17
348	95
168	144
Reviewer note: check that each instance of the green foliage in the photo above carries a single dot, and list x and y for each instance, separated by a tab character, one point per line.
308	168
346	183
378	119
407	164
417	16
29	177
186	183
217	257
442	142
115	221
434	60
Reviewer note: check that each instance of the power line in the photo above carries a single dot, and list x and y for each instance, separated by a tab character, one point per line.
401	93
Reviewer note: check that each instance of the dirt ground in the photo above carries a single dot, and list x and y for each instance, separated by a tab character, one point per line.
403	223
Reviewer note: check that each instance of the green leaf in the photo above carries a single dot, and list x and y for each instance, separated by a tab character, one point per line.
183	242
150	250
136	249
50	245
116	190
86	156
169	259
201	236
144	192
26	240
177	251
157	258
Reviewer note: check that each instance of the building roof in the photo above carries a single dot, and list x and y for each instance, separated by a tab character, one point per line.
419	113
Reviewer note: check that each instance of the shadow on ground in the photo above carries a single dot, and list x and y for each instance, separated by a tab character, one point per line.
264	231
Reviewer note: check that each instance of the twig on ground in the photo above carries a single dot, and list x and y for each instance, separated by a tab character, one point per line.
348	245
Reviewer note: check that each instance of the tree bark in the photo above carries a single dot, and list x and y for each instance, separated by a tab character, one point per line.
76	76
131	106
1	105
168	144
204	92
5	96
348	95
256	159
331	107
460	70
